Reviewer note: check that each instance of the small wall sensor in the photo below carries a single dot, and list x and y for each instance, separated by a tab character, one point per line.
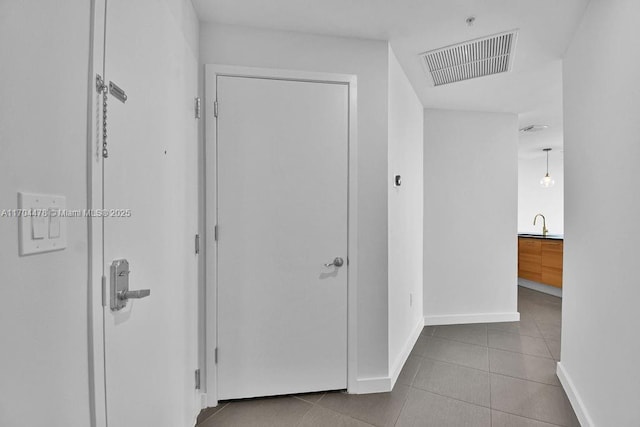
397	180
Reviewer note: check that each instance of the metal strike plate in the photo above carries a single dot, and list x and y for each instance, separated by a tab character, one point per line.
117	92
119	283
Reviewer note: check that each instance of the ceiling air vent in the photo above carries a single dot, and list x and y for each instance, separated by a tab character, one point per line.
471	59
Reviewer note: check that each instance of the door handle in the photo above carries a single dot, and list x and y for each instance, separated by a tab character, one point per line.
124	295
120	292
338	262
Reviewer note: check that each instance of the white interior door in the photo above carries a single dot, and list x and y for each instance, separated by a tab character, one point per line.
151	344
282	159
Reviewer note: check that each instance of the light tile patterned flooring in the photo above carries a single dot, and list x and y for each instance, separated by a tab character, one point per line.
493	375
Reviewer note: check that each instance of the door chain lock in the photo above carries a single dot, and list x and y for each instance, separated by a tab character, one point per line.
102	88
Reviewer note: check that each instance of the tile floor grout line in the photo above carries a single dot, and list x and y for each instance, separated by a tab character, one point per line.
462	342
541	337
533	419
452	398
482	370
528	418
214	414
308	401
452	363
341	413
520	335
550	352
413	379
488	348
524	354
406	398
311	405
525	379
490	401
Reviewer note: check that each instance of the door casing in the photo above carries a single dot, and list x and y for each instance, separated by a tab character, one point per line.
212	71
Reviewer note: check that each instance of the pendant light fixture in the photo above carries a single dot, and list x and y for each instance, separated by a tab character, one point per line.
547	181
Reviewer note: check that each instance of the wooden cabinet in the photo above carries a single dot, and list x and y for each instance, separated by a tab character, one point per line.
540	260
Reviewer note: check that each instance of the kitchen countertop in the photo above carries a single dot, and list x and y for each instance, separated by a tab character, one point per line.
540	236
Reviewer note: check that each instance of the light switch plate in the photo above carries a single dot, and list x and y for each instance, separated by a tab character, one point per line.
37	233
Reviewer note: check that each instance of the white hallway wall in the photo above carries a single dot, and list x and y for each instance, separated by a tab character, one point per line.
600	344
534	199
405	216
44	52
368	59
44	372
470	217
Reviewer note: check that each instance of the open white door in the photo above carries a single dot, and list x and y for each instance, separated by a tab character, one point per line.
282	215
150	184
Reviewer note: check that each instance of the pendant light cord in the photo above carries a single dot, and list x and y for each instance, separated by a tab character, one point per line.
547	163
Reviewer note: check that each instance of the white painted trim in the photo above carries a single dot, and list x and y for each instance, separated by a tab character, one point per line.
574	397
540	287
456	319
386	384
95	312
211	72
372	385
404	355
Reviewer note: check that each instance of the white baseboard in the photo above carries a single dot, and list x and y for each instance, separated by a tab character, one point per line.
209	400
456	319
574	397
373	385
404	354
385	384
540	287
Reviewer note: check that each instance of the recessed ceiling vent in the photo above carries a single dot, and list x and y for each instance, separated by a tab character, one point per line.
471	59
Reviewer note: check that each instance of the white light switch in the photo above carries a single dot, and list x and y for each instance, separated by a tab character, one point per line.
41	228
38	227
54	224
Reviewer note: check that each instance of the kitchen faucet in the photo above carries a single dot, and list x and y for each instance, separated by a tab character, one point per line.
544	224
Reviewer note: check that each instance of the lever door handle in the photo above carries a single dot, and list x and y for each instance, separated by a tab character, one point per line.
338	262
124	295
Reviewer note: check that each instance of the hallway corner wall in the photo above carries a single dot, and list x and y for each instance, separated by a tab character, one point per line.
405	216
45	49
599	362
470	217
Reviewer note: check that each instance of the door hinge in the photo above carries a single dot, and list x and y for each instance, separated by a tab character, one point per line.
197	378
215	355
104	291
197	244
215	108
215	232
197	107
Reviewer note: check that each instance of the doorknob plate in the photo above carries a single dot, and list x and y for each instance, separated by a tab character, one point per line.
120	292
119	283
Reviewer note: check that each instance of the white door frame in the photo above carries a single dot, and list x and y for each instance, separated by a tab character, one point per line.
212	71
96	292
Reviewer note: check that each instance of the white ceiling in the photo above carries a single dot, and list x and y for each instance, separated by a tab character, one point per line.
533	89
